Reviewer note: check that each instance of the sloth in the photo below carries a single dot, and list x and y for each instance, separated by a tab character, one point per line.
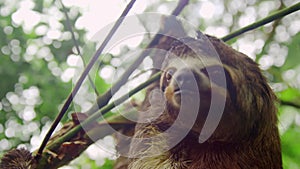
219	113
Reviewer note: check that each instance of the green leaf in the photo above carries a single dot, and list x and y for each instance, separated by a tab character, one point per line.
289	94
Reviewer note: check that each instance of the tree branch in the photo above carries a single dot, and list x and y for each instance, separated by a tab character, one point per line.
181	4
54	146
69	27
104	99
289	103
263	21
110	106
81	79
71	133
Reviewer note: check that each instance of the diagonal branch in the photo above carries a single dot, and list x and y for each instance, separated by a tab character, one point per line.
55	147
103	111
271	34
289	103
72	132
263	21
104	99
71	30
82	77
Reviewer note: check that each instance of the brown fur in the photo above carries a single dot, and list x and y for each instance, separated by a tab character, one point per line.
17	159
247	135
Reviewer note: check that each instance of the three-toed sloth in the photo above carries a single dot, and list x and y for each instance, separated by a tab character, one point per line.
220	113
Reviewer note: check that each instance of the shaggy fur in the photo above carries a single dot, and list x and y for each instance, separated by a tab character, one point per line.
247	135
17	159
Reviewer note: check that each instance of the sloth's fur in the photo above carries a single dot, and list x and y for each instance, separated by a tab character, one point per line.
246	136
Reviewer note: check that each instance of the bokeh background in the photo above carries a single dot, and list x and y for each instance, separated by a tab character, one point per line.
38	62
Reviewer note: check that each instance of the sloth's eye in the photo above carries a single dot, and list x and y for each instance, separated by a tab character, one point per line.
169	74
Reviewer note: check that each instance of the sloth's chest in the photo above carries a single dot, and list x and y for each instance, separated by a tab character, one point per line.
163	161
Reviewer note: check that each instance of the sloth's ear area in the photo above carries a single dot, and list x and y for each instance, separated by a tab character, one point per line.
166	78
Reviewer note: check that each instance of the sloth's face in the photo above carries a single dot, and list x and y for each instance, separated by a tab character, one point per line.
192	85
185	79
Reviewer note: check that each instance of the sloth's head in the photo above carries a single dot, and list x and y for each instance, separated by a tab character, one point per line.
191	80
205	77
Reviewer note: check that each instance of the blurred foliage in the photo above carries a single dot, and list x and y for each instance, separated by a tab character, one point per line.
36	63
292	59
